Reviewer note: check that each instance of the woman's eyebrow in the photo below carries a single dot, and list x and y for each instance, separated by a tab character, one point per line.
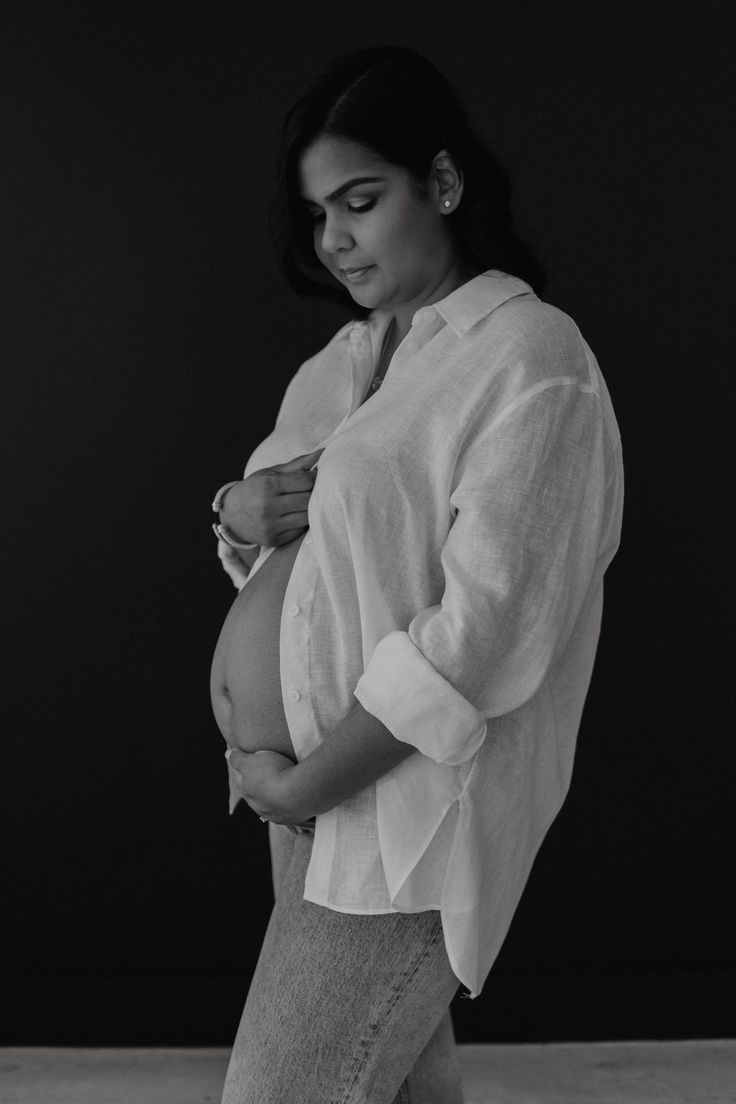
346	188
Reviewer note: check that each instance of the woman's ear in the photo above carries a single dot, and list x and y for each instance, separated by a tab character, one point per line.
447	182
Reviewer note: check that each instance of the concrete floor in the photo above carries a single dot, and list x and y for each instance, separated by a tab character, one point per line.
694	1072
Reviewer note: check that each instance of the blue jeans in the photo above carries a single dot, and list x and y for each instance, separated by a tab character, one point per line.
343	1008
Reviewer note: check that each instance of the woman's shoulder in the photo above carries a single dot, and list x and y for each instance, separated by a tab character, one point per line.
533	323
534	340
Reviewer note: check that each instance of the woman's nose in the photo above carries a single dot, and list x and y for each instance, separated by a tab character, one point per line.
335	236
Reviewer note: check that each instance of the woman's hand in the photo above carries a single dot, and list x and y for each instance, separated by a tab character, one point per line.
269	508
263	779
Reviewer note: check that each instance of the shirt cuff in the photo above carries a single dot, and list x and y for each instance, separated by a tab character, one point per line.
418	705
232	563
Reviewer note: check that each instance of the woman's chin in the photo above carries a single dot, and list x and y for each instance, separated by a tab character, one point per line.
366	296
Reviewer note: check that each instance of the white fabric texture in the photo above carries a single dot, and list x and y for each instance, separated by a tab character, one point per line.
451	580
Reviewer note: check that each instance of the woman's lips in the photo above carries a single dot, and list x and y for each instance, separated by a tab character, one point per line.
355	275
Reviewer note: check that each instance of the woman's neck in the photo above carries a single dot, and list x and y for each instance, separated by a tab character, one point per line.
403	313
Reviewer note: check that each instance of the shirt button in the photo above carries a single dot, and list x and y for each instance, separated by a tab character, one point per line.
294	695
293	610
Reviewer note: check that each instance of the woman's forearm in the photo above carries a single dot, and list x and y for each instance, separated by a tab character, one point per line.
357	752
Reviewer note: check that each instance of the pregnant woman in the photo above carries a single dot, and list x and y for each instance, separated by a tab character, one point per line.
419	547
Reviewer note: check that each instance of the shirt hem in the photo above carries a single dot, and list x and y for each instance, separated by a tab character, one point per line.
355	910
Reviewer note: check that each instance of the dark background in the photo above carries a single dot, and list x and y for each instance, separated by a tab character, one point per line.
147	340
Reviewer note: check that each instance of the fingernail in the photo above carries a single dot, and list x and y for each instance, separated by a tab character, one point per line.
228	753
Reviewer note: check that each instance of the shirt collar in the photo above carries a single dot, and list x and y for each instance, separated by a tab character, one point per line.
465	306
461	309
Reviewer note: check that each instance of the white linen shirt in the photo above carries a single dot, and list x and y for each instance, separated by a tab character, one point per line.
460	525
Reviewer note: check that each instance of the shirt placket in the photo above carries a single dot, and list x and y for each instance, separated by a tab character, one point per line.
295	649
425	324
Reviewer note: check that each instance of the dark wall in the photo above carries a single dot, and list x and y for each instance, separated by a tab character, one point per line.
147	340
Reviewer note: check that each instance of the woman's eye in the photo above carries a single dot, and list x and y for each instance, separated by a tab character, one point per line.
363	207
353	209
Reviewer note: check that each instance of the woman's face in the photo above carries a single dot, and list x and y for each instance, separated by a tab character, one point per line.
398	241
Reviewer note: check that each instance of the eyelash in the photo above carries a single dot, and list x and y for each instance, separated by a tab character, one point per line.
353	210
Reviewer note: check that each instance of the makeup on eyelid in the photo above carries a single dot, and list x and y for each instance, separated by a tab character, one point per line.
319	215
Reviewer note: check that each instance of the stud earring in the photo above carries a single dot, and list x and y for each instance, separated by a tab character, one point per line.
447	203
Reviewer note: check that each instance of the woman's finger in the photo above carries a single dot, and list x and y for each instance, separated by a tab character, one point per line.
295	482
293	502
298	520
234	758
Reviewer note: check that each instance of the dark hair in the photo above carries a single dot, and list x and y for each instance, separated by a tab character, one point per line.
394	102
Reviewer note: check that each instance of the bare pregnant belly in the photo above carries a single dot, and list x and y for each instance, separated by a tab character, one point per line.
245	681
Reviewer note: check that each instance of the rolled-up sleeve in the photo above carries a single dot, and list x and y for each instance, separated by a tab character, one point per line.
528	505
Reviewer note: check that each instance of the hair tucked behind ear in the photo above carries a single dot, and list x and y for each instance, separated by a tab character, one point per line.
396	103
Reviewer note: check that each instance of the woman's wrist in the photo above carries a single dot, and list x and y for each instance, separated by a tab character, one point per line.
358	751
224	534
223	531
295	801
218	500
